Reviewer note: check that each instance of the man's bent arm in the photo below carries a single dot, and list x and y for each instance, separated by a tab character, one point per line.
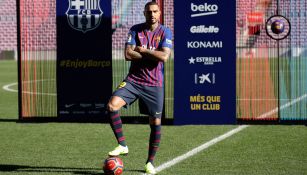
130	54
159	55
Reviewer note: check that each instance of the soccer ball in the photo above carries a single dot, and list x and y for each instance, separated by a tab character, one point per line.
113	166
277	26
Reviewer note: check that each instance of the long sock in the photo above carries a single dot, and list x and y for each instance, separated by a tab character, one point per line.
116	125
154	142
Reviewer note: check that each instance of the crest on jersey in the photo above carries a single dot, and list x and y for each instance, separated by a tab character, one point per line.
158	39
84	15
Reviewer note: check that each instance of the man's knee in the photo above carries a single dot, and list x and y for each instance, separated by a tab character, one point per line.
115	104
154	121
112	107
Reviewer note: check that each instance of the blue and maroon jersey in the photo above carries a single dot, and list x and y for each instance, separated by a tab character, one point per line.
148	72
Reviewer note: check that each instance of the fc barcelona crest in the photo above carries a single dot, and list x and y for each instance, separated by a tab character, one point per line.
84	15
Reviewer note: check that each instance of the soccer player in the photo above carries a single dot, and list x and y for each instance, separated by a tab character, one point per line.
147	48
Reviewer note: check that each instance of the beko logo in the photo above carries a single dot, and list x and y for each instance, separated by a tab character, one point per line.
204	9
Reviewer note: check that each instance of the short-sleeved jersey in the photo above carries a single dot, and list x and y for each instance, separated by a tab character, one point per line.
148	72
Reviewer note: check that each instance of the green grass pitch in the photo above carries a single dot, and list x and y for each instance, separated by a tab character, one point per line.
79	149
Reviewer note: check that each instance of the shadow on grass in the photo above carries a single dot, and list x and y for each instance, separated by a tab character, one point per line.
48	169
38	120
8	120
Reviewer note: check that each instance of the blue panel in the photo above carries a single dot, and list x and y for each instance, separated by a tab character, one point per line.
84	57
204	62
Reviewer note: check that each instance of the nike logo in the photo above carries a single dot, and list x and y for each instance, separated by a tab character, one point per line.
157	113
68	106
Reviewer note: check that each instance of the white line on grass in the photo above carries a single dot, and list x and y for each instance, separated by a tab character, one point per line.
200	148
267	114
8	87
263	99
222	137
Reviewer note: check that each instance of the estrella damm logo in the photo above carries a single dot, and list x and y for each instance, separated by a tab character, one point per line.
84	15
121	85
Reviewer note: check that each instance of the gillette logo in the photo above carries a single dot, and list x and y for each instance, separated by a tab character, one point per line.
203	9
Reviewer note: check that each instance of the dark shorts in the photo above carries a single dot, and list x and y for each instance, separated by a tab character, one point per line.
151	98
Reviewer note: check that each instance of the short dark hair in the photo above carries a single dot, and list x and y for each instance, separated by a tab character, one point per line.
151	3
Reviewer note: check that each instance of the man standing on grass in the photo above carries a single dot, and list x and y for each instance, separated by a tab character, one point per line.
148	47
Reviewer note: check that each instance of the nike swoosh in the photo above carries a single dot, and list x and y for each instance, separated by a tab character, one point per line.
68	106
157	113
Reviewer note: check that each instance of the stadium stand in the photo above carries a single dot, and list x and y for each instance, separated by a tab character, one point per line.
8	36
45	21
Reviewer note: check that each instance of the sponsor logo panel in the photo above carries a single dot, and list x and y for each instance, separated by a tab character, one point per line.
204	29
209	60
201	102
205	9
204	78
204	44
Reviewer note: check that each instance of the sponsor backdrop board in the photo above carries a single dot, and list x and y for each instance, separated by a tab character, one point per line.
205	55
84	57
